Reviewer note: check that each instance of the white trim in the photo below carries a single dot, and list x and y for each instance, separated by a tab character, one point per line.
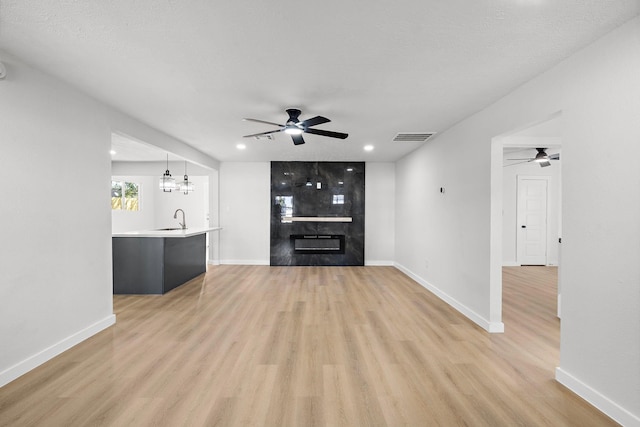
559	305
244	262
492	327
510	264
597	399
213	262
378	263
495	232
49	353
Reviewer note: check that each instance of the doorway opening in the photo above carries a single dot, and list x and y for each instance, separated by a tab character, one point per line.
526	231
137	164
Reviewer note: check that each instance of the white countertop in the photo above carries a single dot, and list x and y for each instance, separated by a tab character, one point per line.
190	231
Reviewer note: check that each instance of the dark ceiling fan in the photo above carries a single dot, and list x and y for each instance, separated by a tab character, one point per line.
296	128
542	158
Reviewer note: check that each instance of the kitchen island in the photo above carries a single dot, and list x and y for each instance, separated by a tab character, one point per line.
157	261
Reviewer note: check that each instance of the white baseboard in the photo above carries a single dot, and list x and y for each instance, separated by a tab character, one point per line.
213	262
603	403
510	264
492	327
379	263
49	353
244	262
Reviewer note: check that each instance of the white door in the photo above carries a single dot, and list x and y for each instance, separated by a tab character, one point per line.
532	220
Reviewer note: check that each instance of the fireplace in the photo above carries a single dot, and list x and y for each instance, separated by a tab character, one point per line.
317	244
317	213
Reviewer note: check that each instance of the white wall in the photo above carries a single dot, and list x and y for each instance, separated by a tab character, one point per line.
442	236
245	191
598	92
55	256
379	218
509	203
600	273
195	205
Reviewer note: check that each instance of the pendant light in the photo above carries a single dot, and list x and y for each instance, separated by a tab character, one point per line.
167	183
185	186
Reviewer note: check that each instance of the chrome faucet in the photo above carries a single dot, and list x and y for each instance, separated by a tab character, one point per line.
183	224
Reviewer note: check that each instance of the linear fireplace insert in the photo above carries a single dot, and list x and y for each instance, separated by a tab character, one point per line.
317	243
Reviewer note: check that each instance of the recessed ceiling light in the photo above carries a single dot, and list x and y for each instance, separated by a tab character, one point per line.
368	148
241	146
112	152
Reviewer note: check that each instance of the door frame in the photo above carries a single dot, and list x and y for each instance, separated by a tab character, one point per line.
498	143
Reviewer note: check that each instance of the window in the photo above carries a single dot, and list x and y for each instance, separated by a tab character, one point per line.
338	199
125	196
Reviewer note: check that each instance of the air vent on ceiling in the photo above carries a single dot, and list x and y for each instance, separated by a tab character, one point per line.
413	136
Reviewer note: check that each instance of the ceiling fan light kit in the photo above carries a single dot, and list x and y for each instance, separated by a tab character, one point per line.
293	130
296	128
541	157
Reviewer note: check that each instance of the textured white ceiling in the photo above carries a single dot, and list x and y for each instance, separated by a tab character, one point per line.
194	69
128	150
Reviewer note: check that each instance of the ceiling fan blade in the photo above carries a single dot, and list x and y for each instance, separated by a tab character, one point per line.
529	159
554	156
262	121
327	133
517	163
317	120
297	139
262	133
545	163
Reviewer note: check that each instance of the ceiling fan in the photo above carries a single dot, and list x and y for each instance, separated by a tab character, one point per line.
296	128
542	158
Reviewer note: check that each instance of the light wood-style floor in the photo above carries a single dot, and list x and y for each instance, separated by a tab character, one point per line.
308	346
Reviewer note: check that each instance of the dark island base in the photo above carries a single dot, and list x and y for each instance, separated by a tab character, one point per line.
156	265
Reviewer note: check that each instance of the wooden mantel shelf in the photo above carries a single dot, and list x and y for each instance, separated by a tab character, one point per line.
319	219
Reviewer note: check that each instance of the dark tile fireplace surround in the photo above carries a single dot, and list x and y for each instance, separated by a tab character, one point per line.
317	213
